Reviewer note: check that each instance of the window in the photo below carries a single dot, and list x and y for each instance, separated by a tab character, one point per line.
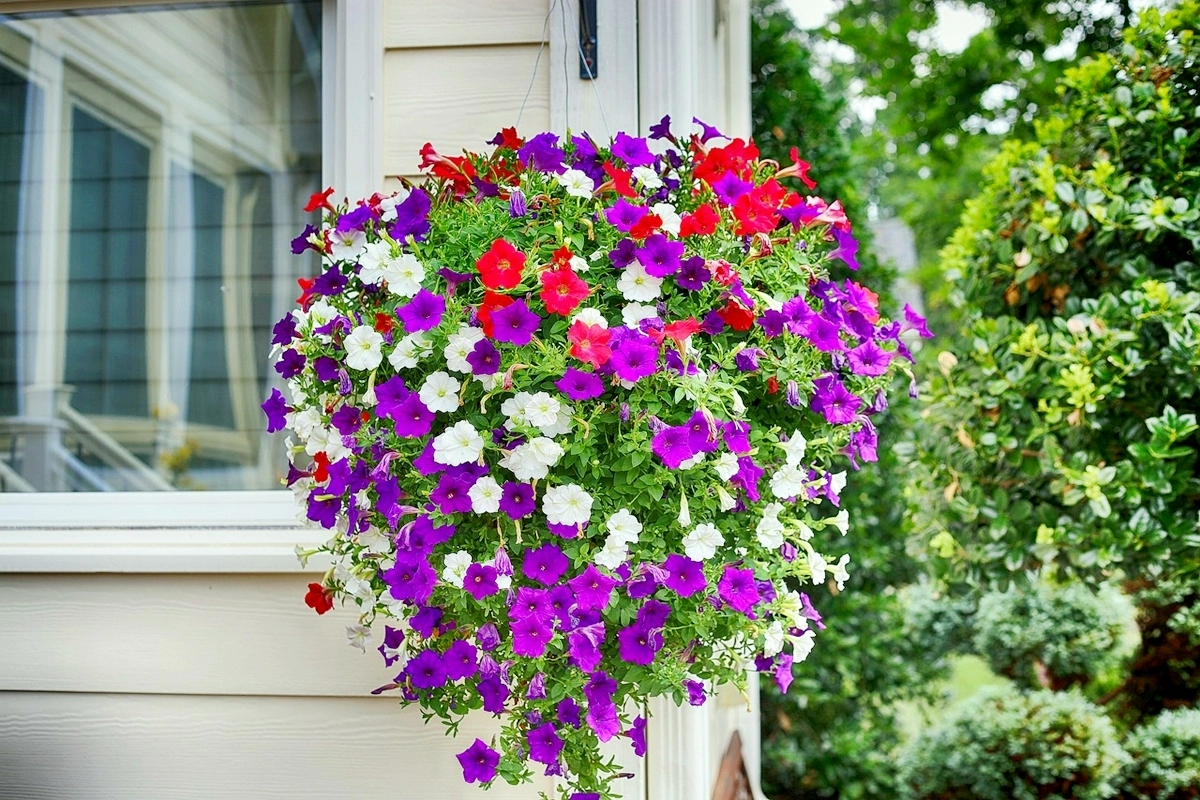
153	164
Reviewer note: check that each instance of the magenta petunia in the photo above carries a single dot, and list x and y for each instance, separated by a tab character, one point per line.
583	645
623	215
593	589
869	359
685	576
460	660
738	589
531	602
632	150
637	735
480	581
545	564
832	399
673	445
479	762
635	358
413	419
579	385
516	500
530	637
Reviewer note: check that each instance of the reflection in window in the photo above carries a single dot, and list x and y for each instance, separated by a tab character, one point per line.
148	195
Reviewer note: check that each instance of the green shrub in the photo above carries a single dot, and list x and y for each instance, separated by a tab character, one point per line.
1052	637
1165	761
1004	744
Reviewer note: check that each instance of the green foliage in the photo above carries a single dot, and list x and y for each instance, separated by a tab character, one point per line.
1165	761
1053	637
1061	434
1009	745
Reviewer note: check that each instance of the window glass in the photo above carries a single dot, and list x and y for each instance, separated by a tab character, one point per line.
153	166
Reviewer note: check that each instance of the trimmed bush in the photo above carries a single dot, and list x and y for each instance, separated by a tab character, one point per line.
1165	762
1005	744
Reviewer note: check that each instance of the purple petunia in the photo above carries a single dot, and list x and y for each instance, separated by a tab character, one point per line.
579	385
413	419
484	358
530	637
847	248
544	744
623	215
515	323
461	660
729	187
411	578
638	643
747	360
632	150
637	735
480	581
390	396
426	670
532	603
426	620
685	576
568	712
635	358
832	399
516	500
545	564
478	762
412	217
869	359
290	364
738	589
276	409
284	330
494	694
583	645
660	256
695	690
450	495
673	445
692	274
543	153
422	313
593	589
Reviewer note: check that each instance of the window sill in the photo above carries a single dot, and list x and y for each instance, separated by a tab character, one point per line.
216	532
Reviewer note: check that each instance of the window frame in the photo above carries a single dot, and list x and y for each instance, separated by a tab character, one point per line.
248	531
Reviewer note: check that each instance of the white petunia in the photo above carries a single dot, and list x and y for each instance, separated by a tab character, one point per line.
837	482
577	183
634	313
671	220
802	646
769	528
360	588
841	521
788	481
455	570
839	573
561	426
321	314
460	345
725	499
541	409
789	605
458	444
404	275
817	565
387	206
514	408
409	351
612	555
358	636
647	177
373	262
485	495
364	348
440	392
346	245
568	504
578	264
694	461
684	518
373	540
523	464
702	542
638	286
794	447
726	466
590	316
773	640
327	441
545	450
304	422
623	526
806	532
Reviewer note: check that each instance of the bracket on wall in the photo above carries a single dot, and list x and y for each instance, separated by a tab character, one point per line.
589	66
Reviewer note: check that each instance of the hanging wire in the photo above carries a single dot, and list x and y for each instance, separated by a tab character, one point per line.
536	62
566	72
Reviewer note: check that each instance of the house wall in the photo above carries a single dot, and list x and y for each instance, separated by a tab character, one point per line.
136	667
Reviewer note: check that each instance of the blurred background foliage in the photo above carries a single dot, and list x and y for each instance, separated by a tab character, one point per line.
1027	548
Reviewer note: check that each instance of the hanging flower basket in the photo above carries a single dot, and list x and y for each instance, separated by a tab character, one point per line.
578	416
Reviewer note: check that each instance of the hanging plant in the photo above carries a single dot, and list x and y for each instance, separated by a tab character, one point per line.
579	416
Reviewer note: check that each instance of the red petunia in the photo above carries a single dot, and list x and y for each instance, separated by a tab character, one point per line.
491	302
681	329
589	343
800	168
772	385
701	222
737	317
562	256
754	216
645	226
563	290
306	291
507	137
501	266
319	200
319	599
620	179
722	272
321	473
384	322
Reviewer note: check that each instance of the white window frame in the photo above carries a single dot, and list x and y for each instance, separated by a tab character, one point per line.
219	532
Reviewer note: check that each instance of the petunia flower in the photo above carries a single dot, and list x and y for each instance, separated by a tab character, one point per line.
738	589
484	358
515	324
637	285
545	564
501	266
276	409
494	694
635	358
659	256
544	743
579	385
637	644
673	446
593	589
562	290
480	581
422	313
637	735
426	670
685	576
479	763
530	637
458	444
517	500
701	543
460	660
832	399
568	504
413	419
